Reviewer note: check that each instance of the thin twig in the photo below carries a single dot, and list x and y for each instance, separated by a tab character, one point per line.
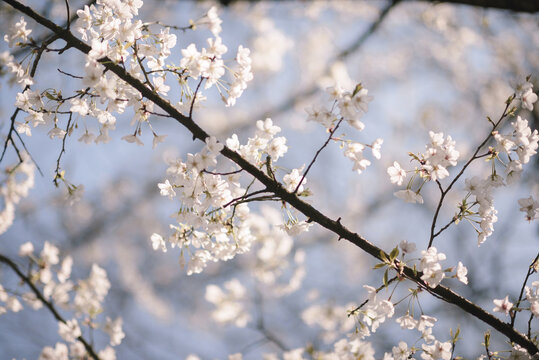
12	130
245	196
531	270
29	153
223	173
71	75
57	171
377	291
175	27
474	157
331	132
68	18
139	60
261	326
194	98
487	338
446	226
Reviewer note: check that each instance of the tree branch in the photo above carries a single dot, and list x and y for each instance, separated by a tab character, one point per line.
529	6
45	302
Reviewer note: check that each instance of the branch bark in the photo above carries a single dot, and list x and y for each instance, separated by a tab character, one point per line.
527	6
275	187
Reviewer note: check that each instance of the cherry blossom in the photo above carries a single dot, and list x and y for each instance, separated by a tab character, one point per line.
503	305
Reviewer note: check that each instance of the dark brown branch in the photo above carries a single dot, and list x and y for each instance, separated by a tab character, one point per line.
45	302
529	6
68	18
331	132
195	98
272	186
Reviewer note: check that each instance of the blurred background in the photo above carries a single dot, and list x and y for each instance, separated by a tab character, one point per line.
440	67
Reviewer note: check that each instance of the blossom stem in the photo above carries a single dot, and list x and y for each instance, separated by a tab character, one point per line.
195	98
377	290
57	171
331	132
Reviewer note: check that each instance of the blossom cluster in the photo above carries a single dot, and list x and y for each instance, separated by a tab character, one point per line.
229	305
371	314
432	166
15	186
433	273
352	106
329	317
482	191
84	299
202	217
532	296
278	267
522	143
18	37
530	206
112	31
517	146
214	218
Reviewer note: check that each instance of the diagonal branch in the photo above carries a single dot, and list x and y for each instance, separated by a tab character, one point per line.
45	302
529	6
275	187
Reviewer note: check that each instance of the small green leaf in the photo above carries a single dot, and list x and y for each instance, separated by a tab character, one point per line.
510	99
50	96
379	265
394	253
414	156
383	256
357	89
386	282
